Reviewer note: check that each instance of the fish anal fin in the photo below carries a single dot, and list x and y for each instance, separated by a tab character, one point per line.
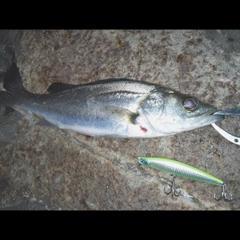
45	123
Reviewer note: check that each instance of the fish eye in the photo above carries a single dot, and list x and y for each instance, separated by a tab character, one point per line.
189	104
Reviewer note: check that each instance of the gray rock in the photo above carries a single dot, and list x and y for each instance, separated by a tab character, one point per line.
66	170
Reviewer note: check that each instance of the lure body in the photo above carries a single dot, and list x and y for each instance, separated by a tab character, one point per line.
180	169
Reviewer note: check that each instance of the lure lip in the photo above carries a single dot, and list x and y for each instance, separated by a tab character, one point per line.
230	137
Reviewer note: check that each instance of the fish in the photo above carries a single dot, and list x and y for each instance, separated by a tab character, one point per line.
114	107
180	169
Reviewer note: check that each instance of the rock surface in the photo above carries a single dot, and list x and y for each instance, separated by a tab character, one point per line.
48	168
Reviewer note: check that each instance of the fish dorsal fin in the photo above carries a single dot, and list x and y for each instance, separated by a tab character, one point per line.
59	87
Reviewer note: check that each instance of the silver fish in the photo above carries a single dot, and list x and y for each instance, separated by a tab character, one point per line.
121	108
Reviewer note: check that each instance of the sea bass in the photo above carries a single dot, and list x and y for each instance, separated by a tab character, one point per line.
122	108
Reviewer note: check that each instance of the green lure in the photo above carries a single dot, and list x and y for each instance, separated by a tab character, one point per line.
180	169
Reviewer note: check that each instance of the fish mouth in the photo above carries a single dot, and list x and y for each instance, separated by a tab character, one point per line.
212	116
209	119
217	115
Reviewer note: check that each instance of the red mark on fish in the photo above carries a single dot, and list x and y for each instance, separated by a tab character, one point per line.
143	129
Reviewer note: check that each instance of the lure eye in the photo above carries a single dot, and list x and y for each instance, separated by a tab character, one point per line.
189	104
142	161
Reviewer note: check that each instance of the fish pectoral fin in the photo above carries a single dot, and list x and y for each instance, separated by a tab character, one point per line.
45	123
59	87
121	114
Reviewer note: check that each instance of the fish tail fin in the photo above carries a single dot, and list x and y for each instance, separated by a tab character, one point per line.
12	79
13	86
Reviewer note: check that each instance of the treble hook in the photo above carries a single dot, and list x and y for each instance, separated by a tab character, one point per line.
172	188
223	195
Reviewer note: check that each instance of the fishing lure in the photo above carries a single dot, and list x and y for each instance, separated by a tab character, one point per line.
184	170
230	137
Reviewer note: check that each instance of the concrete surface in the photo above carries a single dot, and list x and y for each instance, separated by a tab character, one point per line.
47	168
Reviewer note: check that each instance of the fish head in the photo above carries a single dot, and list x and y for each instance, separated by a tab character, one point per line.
183	113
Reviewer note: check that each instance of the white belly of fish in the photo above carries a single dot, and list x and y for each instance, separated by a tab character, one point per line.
118	129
